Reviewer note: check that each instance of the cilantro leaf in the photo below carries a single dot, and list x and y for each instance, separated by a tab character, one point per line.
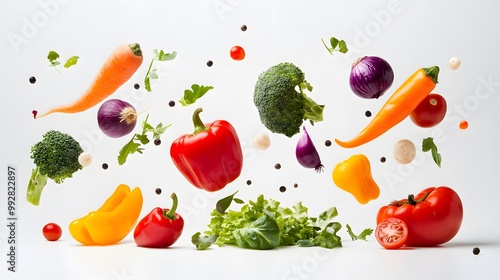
361	236
138	140
196	92
71	61
151	73
336	45
429	145
163	56
53	56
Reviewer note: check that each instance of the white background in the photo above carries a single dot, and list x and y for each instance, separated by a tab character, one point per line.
409	35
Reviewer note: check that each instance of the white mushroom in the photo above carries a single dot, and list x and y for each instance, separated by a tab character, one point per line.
261	141
454	63
85	159
404	151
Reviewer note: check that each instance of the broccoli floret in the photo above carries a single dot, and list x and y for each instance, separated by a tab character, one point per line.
56	158
280	99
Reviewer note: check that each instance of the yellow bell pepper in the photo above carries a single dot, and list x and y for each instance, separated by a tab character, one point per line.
113	221
354	176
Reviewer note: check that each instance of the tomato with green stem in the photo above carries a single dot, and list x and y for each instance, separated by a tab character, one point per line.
391	233
433	216
237	53
430	112
52	232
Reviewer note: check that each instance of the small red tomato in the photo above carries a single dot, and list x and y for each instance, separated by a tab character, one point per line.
391	233
237	53
52	232
430	112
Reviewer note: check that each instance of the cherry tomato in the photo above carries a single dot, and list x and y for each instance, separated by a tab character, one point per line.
391	233
430	112
237	53
52	232
433	217
463	125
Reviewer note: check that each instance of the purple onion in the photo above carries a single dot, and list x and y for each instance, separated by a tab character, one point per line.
306	152
116	118
370	77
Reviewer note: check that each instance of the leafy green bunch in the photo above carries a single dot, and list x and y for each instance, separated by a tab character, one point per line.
264	224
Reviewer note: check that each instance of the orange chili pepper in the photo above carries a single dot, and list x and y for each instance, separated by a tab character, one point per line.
399	106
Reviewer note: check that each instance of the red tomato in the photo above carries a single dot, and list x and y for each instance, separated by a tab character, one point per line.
52	232
433	217
237	53
391	233
430	112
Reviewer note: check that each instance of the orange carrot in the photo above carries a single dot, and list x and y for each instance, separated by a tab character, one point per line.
116	70
399	106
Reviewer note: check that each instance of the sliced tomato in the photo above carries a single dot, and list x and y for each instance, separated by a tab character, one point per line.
391	233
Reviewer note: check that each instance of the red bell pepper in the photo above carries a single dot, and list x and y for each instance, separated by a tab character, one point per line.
211	157
160	228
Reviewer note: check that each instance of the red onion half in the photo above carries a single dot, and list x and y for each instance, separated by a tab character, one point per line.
116	118
370	77
306	152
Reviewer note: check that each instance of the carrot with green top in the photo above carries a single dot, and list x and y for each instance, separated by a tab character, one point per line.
116	70
399	106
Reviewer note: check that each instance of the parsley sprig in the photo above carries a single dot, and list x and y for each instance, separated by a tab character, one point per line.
151	74
135	145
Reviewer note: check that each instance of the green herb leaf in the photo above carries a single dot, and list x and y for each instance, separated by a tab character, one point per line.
151	73
52	56
129	148
238	201
429	145
143	139
147	83
71	61
334	42
361	236
203	242
196	92
336	45
343	46
224	203
163	56
138	140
